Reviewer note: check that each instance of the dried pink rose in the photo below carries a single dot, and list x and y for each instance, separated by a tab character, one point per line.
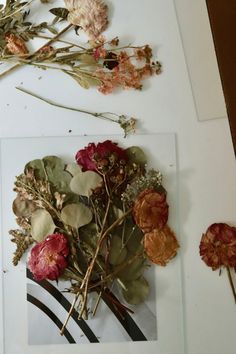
218	246
91	15
48	258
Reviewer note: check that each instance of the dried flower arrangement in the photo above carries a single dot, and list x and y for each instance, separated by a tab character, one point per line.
97	63
96	222
218	249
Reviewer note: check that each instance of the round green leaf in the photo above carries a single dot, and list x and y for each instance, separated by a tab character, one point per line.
73	168
136	155
23	208
136	291
117	254
76	215
38	167
84	183
42	225
134	271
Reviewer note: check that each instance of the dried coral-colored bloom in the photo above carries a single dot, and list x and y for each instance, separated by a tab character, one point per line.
161	245
16	45
91	15
218	246
150	210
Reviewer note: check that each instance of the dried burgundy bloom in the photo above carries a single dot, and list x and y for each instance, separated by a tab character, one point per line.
48	258
161	245
218	246
16	45
91	157
91	15
150	210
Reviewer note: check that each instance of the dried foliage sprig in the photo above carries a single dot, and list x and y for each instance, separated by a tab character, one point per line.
95	222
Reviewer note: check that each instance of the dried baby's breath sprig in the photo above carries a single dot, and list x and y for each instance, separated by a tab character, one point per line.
151	180
127	124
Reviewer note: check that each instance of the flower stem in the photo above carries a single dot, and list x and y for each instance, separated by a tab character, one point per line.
231	283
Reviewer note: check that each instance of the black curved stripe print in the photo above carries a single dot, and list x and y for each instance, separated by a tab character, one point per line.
51	315
66	304
124	318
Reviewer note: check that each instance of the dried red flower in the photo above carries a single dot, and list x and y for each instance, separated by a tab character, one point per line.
48	258
161	245
93	155
150	210
218	246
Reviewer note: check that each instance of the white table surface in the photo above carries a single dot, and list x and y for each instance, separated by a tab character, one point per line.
207	169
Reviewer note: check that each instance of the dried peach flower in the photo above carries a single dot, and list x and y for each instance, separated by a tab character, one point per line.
150	210
161	245
16	45
218	246
91	15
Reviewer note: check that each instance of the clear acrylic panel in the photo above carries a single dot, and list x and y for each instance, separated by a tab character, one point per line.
32	313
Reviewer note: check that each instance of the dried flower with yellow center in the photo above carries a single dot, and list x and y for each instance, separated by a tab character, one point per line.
91	15
161	245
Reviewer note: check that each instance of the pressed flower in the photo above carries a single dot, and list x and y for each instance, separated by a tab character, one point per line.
218	246
48	258
16	45
91	15
91	157
150	210
161	245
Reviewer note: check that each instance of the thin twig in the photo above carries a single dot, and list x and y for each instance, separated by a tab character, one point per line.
231	283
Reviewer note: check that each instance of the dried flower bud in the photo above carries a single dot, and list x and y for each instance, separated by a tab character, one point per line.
161	245
91	15
16	45
150	210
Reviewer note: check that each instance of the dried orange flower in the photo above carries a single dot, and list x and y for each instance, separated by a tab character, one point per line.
150	210
16	45
161	245
218	246
91	15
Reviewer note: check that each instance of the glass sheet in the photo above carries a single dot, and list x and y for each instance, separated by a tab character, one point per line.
32	313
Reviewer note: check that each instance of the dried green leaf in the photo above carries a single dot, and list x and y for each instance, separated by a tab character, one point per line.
42	225
23	208
136	155
136	291
134	271
87	59
38	167
84	183
60	12
76	215
117	253
73	168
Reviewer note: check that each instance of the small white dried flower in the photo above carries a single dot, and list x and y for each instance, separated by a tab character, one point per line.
91	15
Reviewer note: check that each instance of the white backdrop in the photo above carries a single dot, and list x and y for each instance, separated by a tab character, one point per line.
206	161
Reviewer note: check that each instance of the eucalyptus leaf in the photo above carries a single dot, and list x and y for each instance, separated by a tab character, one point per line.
136	291
117	253
87	59
136	155
42	225
38	167
23	208
84	183
76	215
73	168
134	271
60	179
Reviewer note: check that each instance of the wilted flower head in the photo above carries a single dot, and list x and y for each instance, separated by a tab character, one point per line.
16	45
150	210
95	156
91	15
48	258
161	245
218	246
